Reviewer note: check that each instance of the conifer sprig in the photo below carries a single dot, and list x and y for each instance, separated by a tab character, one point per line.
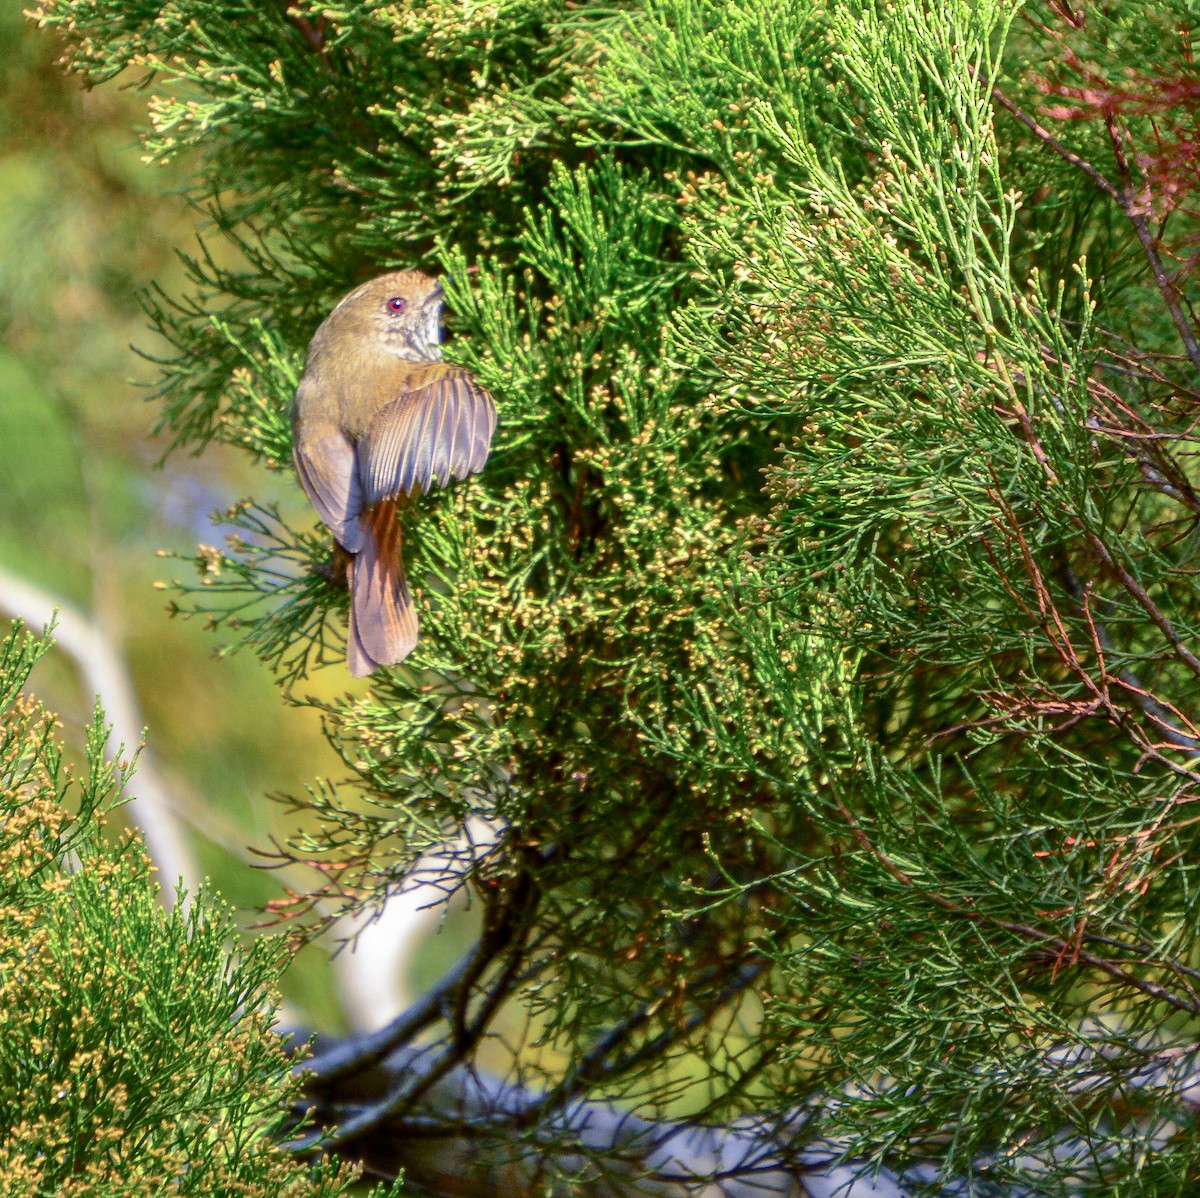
820	644
139	1053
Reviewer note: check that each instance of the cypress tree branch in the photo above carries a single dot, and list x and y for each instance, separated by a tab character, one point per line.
1047	138
822	630
1129	204
1135	210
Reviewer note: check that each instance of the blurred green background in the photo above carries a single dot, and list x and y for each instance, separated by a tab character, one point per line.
85	226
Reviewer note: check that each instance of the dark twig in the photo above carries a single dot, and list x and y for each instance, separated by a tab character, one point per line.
1048	941
359	1053
314	35
503	934
1044	135
1126	201
594	1064
1141	224
1155	711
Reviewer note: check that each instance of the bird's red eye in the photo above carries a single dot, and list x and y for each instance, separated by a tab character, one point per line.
397	304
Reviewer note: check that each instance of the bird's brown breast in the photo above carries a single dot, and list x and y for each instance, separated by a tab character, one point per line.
357	389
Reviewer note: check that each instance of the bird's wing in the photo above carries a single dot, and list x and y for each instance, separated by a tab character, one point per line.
325	463
434	433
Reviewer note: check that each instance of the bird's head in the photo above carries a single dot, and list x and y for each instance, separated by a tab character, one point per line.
398	313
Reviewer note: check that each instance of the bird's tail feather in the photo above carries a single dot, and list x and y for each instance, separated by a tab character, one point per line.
383	618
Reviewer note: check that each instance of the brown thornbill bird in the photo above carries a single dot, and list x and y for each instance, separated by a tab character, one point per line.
379	418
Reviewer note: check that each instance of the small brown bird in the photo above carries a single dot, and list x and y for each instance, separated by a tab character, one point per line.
379	418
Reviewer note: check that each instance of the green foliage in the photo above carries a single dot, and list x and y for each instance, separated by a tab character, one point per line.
139	1057
979	521
824	621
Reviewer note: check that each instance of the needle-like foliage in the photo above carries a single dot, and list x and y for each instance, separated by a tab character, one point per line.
819	648
138	1051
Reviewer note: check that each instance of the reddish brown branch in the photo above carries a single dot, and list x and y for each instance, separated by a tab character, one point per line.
1044	135
1063	948
314	35
1141	224
1126	201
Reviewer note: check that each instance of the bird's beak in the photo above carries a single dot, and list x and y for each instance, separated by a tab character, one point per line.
437	297
432	308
